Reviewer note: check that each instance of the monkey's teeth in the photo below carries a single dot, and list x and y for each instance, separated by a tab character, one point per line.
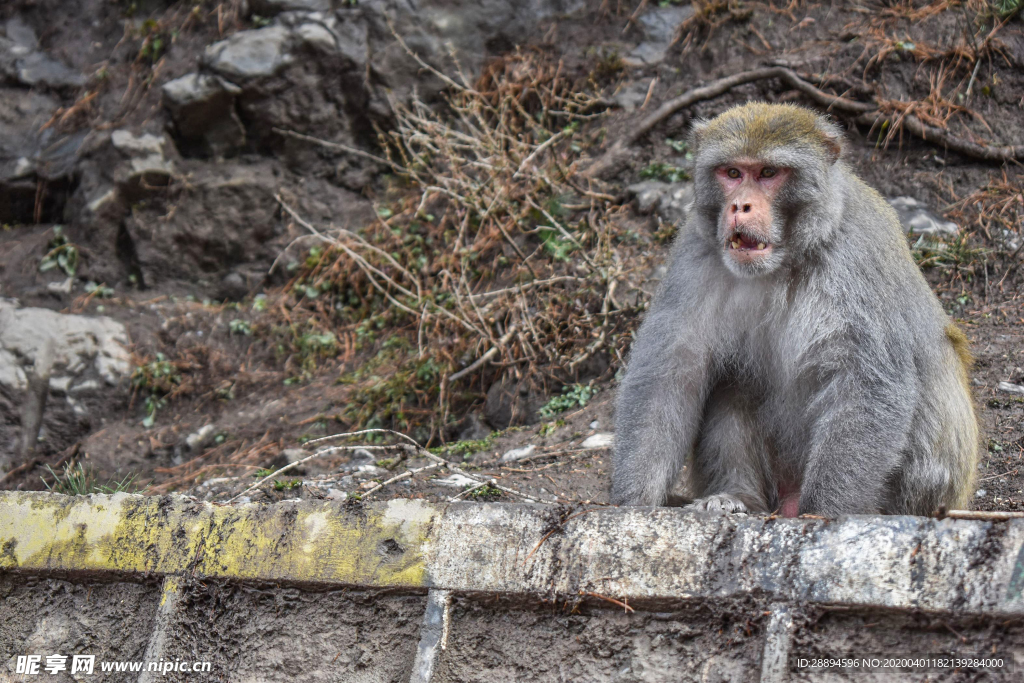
760	245
736	244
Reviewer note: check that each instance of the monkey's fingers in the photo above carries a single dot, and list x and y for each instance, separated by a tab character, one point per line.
720	502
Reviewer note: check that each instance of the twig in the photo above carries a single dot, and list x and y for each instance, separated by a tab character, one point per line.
491	353
446	619
489	482
557	528
320	453
869	115
607	599
984	515
448	81
540	148
943	138
526	286
565	233
338	146
403	475
455	468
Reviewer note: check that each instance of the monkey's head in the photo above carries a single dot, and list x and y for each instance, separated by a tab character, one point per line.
763	174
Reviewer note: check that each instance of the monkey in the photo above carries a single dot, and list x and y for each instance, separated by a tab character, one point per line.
794	358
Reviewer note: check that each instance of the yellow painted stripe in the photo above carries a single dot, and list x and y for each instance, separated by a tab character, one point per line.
380	544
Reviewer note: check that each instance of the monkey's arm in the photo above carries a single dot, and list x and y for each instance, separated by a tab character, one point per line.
661	399
862	417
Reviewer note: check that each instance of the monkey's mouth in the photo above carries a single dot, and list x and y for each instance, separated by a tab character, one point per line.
740	241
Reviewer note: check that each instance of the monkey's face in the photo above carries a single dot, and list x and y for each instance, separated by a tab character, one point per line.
747	226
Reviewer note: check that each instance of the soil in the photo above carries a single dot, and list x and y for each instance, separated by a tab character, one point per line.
187	262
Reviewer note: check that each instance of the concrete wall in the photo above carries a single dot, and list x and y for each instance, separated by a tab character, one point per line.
409	591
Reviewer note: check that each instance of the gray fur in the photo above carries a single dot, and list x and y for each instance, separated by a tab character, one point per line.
831	370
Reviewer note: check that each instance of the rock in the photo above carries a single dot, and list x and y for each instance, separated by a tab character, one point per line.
145	153
335	494
1011	388
595	425
22	61
258	53
197	440
203	109
469	428
671	201
269	8
233	287
518	453
980	493
456	481
26	150
83	346
361	455
61	287
39	69
599	441
916	218
20	33
224	217
659	28
293	455
510	403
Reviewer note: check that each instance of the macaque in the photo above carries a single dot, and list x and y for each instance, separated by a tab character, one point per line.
794	358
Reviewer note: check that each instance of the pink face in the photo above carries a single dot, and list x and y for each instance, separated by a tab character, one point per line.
750	187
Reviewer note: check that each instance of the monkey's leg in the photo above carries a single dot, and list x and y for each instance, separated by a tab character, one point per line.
731	470
857	441
657	418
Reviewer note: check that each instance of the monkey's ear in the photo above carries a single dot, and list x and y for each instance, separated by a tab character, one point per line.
832	139
697	129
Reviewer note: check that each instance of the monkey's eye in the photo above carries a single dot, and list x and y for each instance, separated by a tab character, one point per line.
733	173
768	172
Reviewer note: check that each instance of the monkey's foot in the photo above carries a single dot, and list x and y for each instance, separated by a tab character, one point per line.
720	502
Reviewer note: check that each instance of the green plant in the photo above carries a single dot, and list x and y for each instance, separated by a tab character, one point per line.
572	395
466	448
156	379
681	146
485	492
239	326
62	254
1005	8
556	244
666	173
287	484
609	65
100	291
260	473
154	41
548	428
77	480
956	252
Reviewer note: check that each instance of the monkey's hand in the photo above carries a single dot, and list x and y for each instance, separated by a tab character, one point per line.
720	502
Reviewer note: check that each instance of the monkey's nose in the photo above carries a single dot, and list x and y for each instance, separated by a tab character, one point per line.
736	208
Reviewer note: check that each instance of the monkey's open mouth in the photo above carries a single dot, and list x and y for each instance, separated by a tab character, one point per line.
744	242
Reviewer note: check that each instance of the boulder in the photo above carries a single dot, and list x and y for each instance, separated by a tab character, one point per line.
82	349
22	61
658	25
260	53
917	218
269	8
202	107
671	201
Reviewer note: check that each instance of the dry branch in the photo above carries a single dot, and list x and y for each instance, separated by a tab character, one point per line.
868	114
